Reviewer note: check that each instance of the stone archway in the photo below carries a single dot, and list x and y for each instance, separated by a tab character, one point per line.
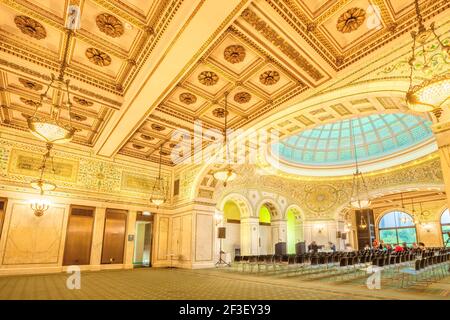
295	227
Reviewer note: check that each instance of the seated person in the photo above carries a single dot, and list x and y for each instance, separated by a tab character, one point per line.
313	247
332	246
398	248
367	247
348	247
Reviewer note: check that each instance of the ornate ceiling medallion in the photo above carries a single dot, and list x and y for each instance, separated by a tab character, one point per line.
110	25
269	78
208	78
98	57
30	84
242	97
234	53
29	102
146	137
158	127
219	113
188	98
351	20
164	153
83	102
78	117
30	27
137	146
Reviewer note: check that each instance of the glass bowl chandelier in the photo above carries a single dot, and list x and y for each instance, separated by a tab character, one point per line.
52	129
433	93
159	194
227	173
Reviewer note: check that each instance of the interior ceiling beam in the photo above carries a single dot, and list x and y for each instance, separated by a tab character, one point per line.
197	24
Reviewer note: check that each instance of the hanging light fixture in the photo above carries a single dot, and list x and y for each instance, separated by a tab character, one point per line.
41	205
158	196
360	195
431	94
227	173
403	218
362	223
416	219
51	128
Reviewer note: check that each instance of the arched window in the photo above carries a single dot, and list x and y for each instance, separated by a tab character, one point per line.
397	227
445	224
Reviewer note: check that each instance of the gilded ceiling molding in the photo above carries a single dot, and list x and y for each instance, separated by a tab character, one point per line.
234	54
219	113
83	102
30	27
158	127
271	35
110	25
351	20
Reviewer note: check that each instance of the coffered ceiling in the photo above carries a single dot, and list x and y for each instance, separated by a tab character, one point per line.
262	52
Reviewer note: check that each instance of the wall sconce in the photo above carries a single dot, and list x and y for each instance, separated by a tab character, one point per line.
427	227
39	206
218	217
319	228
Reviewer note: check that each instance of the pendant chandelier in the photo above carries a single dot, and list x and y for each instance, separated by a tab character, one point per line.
360	195
52	129
227	173
158	196
362	223
41	205
433	93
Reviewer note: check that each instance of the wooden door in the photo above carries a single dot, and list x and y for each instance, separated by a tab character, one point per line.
114	236
77	249
2	214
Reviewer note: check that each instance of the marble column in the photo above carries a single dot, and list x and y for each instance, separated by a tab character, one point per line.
97	238
249	236
279	232
129	245
442	133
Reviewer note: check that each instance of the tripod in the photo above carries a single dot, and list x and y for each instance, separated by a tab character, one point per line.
221	261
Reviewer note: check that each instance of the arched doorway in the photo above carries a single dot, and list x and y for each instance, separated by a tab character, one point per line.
265	230
445	227
232	223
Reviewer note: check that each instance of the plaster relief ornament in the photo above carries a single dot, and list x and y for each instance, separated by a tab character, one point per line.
208	78
158	127
110	25
30	27
147	137
242	97
29	102
30	84
188	98
219	113
321	198
351	20
234	54
269	78
137	146
78	117
98	57
83	102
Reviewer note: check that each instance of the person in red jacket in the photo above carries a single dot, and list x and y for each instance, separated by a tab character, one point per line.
398	248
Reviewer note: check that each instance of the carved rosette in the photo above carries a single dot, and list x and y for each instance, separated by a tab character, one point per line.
269	78
98	57
83	102
158	127
188	98
234	53
242	97
30	27
208	78
219	113
138	146
146	137
351	20
30	84
78	117
29	102
110	25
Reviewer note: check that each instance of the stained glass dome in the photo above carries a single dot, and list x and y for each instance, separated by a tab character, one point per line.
376	136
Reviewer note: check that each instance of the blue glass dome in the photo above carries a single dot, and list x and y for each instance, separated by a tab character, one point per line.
376	136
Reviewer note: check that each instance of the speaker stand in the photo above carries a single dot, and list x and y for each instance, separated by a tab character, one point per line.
221	262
